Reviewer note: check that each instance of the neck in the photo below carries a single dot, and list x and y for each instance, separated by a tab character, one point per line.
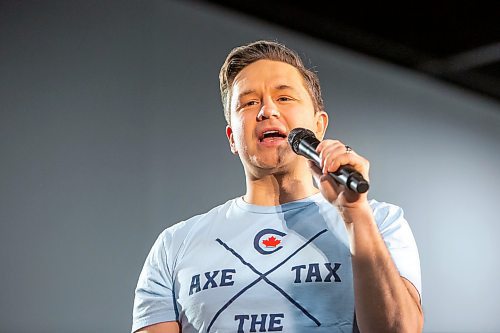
276	188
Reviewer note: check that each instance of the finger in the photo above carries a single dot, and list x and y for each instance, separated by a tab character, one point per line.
328	179
334	154
327	143
330	157
327	147
329	160
329	187
355	161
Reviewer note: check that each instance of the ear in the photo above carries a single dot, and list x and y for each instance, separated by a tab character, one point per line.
230	138
321	124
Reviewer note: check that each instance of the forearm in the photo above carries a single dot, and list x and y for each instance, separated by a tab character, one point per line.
383	301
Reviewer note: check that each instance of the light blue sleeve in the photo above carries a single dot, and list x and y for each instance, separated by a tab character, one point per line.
154	298
399	239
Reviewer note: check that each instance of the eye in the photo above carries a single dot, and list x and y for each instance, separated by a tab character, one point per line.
284	99
251	103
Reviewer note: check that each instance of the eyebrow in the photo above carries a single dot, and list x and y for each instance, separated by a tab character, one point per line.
246	93
278	87
284	87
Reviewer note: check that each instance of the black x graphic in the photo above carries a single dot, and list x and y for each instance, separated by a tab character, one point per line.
264	277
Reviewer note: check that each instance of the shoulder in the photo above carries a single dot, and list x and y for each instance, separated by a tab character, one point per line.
198	221
392	223
385	212
173	237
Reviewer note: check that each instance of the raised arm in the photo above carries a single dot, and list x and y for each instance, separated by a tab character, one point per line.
385	301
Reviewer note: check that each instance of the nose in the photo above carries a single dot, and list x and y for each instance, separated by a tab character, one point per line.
268	110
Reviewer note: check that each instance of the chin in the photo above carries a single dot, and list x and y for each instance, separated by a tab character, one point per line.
277	164
275	160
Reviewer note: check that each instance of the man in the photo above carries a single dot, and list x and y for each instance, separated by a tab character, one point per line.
286	256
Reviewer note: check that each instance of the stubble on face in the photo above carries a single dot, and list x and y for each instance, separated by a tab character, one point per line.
272	160
268	77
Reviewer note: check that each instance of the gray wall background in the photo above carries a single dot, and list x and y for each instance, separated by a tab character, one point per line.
111	130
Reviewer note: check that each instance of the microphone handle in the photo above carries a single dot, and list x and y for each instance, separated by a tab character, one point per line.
345	175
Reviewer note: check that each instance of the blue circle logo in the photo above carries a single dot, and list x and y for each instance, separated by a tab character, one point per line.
268	241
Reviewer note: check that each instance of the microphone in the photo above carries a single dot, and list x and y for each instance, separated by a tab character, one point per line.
304	143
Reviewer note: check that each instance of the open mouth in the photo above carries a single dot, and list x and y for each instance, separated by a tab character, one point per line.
271	135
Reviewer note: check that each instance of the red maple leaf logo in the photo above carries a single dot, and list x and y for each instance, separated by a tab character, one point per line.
271	242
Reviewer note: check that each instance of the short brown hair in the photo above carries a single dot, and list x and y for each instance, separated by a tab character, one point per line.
242	56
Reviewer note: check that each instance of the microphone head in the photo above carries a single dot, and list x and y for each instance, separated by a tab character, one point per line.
297	135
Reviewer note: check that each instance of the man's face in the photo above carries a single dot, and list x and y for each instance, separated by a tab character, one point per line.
268	100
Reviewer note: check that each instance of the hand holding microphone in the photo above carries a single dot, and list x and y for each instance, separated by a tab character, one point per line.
304	143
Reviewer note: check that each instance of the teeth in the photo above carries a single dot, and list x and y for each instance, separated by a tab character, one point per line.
270	134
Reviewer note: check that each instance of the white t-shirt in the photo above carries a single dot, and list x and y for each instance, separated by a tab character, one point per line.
247	268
